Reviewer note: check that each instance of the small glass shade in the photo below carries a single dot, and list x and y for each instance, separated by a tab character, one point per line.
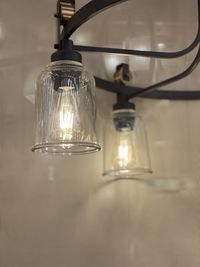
126	153
65	110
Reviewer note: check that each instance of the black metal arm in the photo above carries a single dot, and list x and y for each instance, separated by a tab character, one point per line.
150	92
87	12
96	6
173	79
116	87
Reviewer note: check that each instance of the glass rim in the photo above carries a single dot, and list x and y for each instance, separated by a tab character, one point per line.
118	111
127	173
68	62
59	149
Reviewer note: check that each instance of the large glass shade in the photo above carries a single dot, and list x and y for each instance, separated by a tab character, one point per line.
126	153
65	110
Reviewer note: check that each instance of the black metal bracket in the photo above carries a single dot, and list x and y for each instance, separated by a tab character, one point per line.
87	12
93	8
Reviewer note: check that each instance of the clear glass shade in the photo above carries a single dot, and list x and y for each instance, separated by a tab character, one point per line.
126	152
65	110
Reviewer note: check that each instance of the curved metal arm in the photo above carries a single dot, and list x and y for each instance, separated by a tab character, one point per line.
173	95
87	12
132	92
116	87
141	53
173	79
94	7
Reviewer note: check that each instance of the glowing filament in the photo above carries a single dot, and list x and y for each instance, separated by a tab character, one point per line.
124	152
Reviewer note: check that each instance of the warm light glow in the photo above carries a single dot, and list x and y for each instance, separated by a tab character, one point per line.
124	152
63	122
66	122
66	113
161	45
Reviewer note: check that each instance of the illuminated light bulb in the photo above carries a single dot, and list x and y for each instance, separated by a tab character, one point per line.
64	124
124	152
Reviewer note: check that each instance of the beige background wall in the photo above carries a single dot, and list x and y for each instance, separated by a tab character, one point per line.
60	212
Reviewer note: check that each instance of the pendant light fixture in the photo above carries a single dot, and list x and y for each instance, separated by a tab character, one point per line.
65	97
126	152
65	101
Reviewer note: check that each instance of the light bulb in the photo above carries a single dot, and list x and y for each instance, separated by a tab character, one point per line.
124	152
64	123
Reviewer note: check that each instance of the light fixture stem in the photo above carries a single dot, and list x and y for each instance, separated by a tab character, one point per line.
123	103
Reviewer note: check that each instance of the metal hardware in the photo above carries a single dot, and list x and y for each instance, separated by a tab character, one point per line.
66	52
122	74
87	12
173	79
67	9
93	8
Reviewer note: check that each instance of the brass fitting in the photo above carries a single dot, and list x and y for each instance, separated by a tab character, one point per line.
67	9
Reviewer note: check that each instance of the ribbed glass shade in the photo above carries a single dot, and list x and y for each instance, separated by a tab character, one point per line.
65	110
126	153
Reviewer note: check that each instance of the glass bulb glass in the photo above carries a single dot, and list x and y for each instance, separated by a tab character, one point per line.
126	152
65	110
65	122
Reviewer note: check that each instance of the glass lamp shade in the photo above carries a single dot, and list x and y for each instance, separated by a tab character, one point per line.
126	153
65	110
